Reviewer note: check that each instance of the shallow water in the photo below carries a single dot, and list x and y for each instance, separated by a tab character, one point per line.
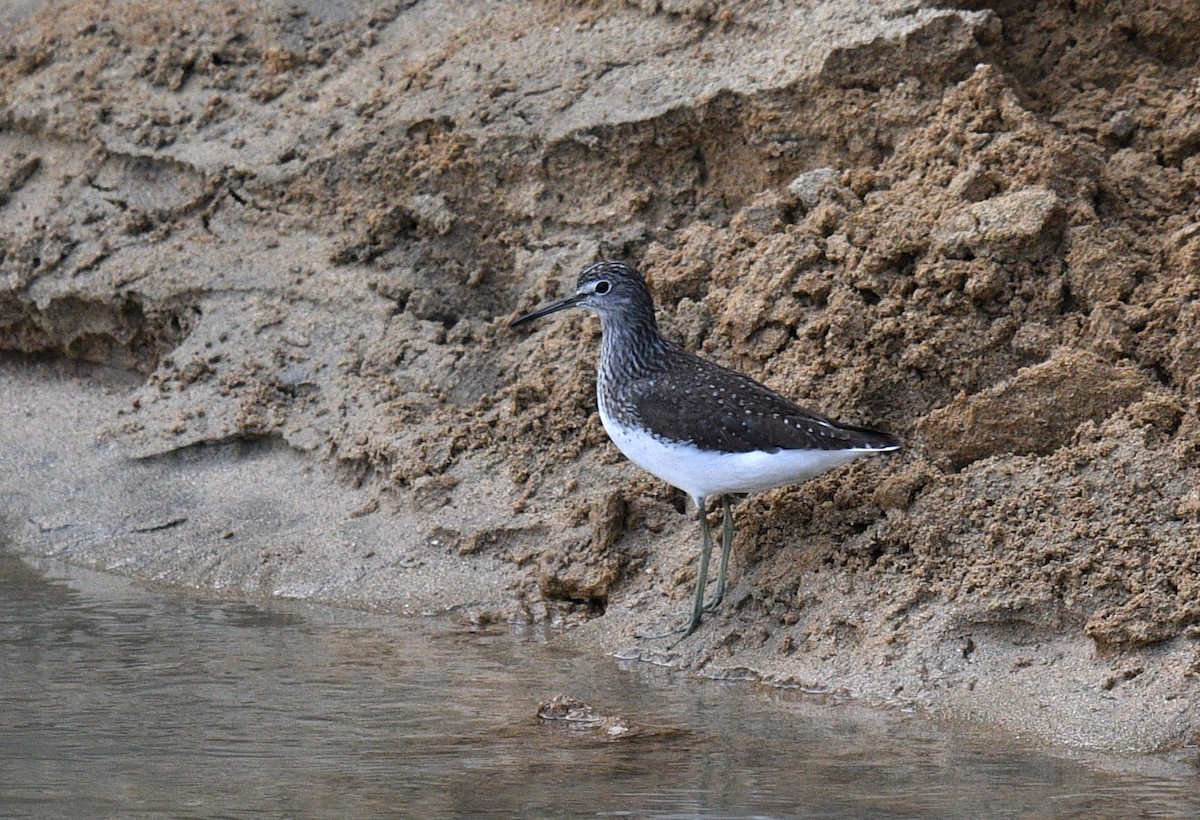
118	700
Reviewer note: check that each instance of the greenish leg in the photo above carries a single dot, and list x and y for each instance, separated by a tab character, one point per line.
701	581
726	548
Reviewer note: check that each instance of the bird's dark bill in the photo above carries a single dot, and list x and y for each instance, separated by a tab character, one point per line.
570	301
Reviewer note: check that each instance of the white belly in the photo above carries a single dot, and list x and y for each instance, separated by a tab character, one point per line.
702	473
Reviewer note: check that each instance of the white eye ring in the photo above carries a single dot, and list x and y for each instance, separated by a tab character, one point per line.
602	287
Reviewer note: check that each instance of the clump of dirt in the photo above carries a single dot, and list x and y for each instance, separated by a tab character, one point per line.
582	718
975	227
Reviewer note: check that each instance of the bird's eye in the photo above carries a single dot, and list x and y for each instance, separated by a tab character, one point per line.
602	287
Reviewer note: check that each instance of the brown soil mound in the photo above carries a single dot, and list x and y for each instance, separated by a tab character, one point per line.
310	223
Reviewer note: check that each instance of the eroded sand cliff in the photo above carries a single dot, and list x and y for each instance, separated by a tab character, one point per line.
258	262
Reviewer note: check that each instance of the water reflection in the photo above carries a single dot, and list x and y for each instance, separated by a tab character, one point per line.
117	700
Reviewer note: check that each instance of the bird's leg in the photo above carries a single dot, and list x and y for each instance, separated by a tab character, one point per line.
726	548
701	581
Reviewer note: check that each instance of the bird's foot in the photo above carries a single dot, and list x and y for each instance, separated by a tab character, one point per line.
715	604
682	631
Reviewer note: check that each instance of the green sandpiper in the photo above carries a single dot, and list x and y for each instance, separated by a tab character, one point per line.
703	428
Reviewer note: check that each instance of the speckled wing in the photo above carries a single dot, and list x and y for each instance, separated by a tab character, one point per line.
719	409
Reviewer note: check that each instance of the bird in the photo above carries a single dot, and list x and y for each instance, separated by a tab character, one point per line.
701	427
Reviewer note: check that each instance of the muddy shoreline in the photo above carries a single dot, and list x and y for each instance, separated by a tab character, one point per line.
258	263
